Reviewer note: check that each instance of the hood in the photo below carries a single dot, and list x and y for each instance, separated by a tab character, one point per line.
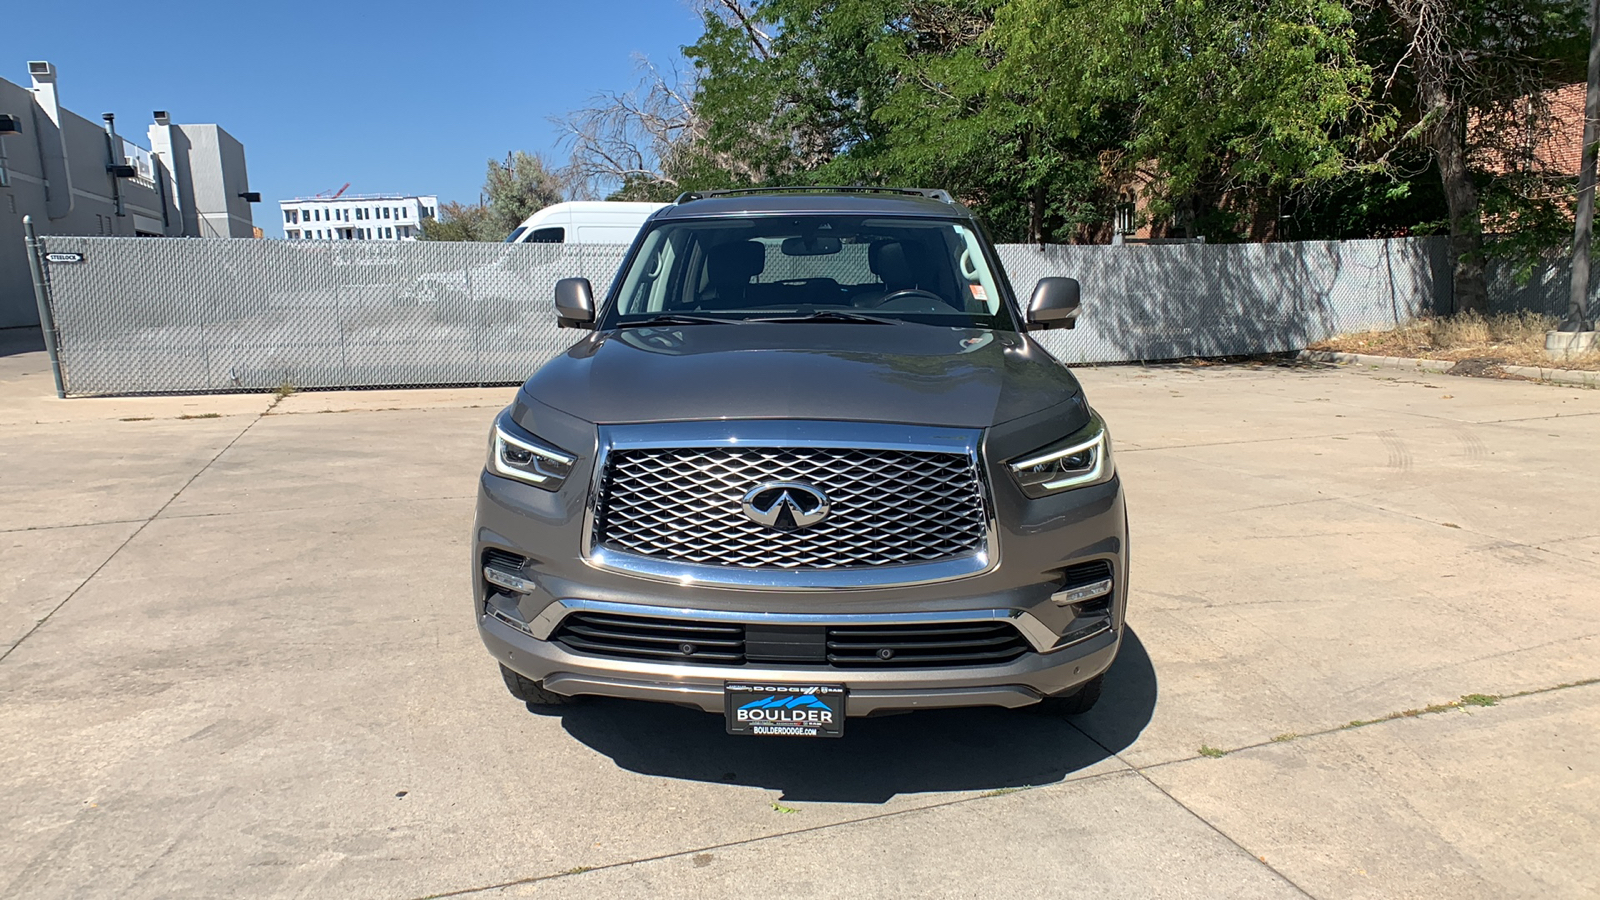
909	373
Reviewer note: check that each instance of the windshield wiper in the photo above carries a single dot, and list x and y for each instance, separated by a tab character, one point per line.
828	315
676	319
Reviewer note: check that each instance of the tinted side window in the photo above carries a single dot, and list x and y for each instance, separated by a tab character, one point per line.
547	236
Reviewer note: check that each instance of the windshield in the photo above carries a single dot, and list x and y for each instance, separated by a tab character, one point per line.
929	271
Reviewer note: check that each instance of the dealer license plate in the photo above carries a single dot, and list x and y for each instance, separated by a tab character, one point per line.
785	710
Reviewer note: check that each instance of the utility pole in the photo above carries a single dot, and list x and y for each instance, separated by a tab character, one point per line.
1578	313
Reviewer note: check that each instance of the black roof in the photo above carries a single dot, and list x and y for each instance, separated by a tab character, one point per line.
822	201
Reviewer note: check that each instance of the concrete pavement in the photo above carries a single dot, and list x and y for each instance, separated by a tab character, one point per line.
238	660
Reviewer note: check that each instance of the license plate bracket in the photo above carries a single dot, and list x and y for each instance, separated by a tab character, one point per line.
784	710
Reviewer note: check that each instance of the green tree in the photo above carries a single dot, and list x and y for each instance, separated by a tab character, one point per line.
1313	118
513	189
461	222
518	187
1201	98
887	92
1468	77
1036	110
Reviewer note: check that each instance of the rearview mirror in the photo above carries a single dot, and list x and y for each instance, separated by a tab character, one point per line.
574	303
1054	304
815	245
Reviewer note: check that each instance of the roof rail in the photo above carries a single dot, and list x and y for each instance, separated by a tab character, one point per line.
939	194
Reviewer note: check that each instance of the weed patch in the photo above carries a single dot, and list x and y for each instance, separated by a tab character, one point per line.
1476	343
1432	708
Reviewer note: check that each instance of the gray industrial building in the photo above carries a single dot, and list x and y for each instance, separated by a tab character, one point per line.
74	176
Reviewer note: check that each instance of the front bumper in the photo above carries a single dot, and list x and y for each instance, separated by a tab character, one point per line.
1022	682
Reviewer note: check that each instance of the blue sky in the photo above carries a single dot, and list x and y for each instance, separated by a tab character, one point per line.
400	96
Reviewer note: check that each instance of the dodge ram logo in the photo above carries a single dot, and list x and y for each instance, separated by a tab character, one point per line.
786	505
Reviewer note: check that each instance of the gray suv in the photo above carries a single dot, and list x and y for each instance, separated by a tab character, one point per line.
808	465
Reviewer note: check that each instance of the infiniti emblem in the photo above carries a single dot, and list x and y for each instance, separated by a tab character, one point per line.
786	505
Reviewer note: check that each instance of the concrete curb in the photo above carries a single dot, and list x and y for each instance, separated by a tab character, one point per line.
1378	362
1537	373
1560	376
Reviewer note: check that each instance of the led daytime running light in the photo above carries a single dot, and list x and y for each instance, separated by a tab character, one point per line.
1096	444
546	467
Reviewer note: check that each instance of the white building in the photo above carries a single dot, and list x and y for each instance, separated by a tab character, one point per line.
359	217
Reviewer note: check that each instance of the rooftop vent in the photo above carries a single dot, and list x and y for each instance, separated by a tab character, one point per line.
38	68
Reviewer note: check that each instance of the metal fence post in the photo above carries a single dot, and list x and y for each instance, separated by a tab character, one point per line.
47	322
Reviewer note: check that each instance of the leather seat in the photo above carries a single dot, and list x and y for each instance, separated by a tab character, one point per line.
729	268
900	265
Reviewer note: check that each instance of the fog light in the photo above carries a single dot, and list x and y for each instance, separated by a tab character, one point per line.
516	584
1083	592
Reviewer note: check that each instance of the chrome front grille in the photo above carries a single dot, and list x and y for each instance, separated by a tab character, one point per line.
887	506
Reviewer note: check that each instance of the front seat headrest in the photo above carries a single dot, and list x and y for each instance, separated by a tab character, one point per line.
900	264
736	262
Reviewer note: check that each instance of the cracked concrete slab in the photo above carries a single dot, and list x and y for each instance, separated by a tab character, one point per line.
40	569
1114	836
86	473
301	461
1493	802
1514	481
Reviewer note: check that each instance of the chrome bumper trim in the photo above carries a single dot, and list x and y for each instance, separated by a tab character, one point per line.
907	575
860	702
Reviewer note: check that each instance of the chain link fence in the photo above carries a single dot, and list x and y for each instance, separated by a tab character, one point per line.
140	315
1171	301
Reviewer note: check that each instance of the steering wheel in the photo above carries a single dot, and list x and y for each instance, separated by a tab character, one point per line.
938	305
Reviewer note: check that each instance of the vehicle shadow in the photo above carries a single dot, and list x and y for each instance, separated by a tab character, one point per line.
879	757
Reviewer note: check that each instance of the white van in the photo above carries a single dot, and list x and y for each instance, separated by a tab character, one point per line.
584	222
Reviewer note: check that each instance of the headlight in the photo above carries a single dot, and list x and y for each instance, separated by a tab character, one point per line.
514	453
1078	461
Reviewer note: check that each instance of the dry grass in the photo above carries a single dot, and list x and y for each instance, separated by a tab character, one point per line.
1510	338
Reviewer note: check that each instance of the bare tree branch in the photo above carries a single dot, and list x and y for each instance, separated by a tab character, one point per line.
631	138
731	12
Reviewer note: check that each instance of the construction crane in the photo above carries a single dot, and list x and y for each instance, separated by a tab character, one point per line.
335	193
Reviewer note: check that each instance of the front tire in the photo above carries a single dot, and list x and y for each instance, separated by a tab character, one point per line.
1076	703
529	691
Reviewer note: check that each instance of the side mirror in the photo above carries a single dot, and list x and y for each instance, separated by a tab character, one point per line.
574	303
1054	304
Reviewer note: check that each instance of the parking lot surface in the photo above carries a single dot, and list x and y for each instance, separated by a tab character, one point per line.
239	660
